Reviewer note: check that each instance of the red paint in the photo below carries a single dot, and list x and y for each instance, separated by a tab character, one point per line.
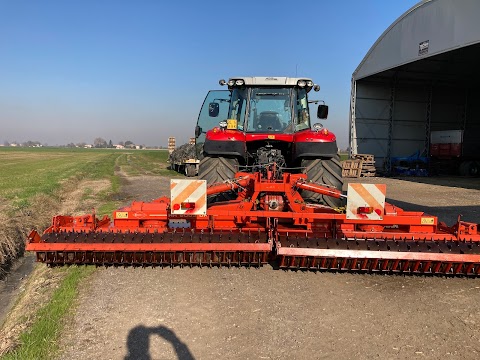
313	136
273	137
268	219
217	134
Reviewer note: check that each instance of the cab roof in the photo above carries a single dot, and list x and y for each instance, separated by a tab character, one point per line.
269	80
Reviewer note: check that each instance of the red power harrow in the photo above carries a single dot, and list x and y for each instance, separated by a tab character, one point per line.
268	222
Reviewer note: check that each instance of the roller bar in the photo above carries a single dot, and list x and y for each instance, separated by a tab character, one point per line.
391	256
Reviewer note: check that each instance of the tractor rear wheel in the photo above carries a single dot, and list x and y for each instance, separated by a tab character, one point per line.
323	171
216	170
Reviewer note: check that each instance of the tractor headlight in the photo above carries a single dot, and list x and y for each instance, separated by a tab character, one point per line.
222	124
222	82
301	83
239	82
309	83
231	82
317	127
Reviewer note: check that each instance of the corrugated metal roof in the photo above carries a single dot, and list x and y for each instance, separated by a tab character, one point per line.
429	28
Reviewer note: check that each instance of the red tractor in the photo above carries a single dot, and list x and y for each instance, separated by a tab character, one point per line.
261	121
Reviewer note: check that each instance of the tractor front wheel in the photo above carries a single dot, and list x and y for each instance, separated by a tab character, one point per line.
327	172
190	170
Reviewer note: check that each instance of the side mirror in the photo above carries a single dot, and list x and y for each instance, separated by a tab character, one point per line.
213	109
198	131
322	111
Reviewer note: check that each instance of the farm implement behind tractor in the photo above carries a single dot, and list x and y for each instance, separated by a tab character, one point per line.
269	221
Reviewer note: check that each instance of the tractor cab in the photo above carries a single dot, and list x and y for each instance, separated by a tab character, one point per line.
261	123
259	105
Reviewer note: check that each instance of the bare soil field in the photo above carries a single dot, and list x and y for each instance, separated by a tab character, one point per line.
201	313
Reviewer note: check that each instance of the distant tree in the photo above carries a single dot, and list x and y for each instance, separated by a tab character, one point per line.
99	143
129	143
6	143
71	145
81	144
110	144
31	143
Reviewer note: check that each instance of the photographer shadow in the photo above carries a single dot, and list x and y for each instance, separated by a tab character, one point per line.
138	343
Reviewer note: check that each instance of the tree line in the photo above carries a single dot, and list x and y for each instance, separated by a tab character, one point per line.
102	143
97	143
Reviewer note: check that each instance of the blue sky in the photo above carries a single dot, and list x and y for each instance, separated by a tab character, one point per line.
71	71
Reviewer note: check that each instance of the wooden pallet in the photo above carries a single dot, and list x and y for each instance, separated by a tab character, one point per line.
367	167
352	168
364	157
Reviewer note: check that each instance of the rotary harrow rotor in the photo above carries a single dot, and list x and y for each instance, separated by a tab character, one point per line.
269	221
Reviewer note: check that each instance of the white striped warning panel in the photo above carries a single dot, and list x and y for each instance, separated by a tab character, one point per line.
188	197
366	201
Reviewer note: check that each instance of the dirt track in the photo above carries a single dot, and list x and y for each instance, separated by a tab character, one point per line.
266	314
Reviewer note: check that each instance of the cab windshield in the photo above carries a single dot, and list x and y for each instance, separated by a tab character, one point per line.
270	110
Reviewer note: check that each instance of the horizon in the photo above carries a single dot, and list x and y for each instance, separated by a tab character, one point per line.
121	71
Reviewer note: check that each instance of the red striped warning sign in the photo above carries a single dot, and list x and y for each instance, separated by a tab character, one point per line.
366	201
188	197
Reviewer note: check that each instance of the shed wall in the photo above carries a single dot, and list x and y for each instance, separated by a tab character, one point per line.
395	120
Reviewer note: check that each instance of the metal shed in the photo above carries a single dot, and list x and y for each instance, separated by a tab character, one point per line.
421	75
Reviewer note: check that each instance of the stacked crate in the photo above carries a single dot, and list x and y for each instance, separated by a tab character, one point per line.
171	144
352	168
368	164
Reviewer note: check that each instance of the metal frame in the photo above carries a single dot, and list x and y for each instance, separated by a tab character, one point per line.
251	231
428	119
353	117
388	157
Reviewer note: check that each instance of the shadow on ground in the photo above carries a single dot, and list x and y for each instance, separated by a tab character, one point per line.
138	343
447	214
449	181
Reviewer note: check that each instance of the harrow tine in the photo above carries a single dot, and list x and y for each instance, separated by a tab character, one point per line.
376	255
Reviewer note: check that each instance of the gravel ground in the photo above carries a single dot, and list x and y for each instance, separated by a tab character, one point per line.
193	313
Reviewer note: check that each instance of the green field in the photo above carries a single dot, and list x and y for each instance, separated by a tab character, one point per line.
25	172
29	173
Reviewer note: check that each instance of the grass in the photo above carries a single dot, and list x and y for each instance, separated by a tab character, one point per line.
343	156
146	163
40	341
27	172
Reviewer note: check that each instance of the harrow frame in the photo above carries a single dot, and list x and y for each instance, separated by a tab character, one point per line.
269	221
